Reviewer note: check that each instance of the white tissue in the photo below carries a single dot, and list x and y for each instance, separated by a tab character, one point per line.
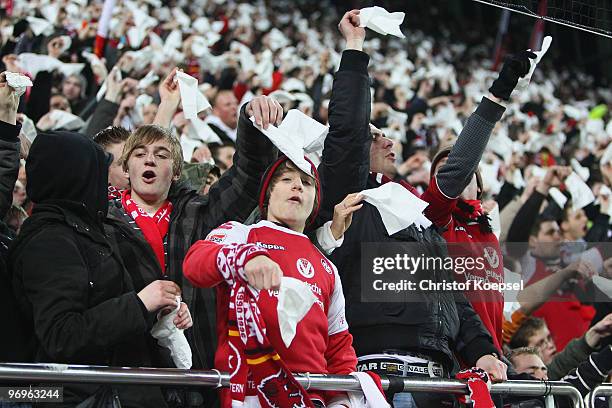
594	258
380	20
18	82
172	338
66	43
398	207
297	135
294	300
604	284
558	197
197	129
583	172
581	193
370	397
65	120
495	220
40	26
148	79
192	99
524	82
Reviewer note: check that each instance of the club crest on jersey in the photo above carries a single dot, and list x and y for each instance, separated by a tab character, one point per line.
305	268
326	266
280	392
491	256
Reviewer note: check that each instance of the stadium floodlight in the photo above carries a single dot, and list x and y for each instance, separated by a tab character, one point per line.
593	16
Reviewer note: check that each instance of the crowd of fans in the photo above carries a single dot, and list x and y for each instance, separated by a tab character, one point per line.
126	215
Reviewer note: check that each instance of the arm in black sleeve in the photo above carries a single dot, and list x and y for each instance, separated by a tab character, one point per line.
465	155
9	164
38	104
523	221
506	194
345	164
599	230
591	372
234	196
102	117
56	284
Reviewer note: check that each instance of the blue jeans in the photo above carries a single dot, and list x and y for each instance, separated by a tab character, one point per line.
403	400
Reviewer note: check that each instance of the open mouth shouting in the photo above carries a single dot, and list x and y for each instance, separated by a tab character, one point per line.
149	176
295	199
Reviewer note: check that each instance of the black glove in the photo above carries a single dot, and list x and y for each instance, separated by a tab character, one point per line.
515	67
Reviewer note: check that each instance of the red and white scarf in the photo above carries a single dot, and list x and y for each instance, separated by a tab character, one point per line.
478	383
274	382
154	228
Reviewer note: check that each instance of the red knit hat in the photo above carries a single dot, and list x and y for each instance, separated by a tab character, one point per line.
267	177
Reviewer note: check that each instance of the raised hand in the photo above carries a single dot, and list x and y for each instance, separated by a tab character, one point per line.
350	30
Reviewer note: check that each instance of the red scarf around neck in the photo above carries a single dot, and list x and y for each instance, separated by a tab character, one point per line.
154	228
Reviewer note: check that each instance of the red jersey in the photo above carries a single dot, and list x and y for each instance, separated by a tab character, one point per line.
467	240
322	343
565	316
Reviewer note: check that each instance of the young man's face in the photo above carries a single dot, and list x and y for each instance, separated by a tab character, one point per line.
292	199
150	171
382	156
530	364
575	226
548	240
542	340
116	176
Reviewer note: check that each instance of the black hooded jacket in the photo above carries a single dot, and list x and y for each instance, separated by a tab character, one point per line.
68	279
437	323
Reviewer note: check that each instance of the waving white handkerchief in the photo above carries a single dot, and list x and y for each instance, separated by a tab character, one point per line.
197	129
18	82
398	207
40	26
297	135
581	193
66	43
192	99
524	81
380	20
294	300
172	338
65	120
558	197
148	79
582	171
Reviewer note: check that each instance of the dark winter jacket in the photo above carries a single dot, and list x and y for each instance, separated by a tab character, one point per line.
14	343
69	279
441	323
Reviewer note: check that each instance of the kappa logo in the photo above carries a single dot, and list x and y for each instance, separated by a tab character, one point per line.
217	237
326	266
305	268
491	256
280	392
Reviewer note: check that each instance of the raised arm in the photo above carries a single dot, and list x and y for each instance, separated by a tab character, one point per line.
235	195
346	163
9	144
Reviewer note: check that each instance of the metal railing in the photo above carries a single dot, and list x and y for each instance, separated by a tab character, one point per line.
603	390
42	373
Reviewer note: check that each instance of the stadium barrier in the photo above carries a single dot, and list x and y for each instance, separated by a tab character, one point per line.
61	373
603	390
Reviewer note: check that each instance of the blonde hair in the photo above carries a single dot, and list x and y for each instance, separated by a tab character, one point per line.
147	134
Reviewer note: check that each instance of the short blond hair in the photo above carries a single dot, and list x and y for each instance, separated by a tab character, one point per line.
147	134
